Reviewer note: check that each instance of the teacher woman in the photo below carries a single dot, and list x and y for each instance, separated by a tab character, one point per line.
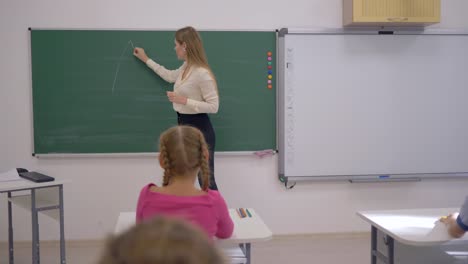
195	92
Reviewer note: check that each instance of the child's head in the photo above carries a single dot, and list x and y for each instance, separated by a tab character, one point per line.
183	152
161	240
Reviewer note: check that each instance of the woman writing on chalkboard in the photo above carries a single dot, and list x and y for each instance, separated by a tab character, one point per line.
195	91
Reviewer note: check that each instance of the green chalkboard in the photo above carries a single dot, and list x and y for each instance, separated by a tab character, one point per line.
91	95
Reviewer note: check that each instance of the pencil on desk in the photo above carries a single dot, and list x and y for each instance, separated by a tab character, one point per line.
241	213
244	214
238	212
248	213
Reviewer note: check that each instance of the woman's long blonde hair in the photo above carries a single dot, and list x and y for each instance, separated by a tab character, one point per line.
194	47
183	149
161	240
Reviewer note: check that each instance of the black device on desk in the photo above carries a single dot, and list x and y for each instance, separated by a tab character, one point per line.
20	170
35	176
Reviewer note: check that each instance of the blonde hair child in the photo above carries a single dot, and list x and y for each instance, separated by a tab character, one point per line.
161	241
183	154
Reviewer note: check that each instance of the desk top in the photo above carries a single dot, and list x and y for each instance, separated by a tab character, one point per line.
24	184
418	227
246	230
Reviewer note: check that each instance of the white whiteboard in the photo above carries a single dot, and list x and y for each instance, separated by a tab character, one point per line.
369	104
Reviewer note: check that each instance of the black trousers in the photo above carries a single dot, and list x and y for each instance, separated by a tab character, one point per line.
203	123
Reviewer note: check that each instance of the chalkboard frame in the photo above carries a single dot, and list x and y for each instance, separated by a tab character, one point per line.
37	151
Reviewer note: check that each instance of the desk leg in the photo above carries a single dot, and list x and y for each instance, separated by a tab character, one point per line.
62	230
35	229
245	247
247	252
10	232
390	247
373	245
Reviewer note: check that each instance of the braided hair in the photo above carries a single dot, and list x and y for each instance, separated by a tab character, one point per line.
183	149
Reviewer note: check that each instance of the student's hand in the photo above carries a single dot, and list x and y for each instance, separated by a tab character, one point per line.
453	228
140	54
175	98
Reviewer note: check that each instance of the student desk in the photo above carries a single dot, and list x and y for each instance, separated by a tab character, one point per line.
246	230
41	197
415	227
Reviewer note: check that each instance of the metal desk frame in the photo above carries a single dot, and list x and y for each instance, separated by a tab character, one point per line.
35	219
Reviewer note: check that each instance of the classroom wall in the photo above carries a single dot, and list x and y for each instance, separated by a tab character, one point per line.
100	188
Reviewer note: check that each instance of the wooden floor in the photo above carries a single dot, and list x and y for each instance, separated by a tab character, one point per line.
321	249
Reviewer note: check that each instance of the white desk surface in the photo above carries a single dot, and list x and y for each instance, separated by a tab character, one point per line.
26	184
412	226
246	230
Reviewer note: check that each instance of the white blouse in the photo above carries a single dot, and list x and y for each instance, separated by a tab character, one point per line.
198	86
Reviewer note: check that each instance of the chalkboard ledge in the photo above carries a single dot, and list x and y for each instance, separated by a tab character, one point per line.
262	154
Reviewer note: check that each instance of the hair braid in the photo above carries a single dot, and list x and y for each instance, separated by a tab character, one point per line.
184	152
166	165
204	166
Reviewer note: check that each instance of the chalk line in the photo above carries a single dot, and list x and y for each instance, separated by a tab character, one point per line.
118	65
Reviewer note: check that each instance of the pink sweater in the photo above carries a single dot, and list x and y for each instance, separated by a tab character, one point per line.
208	211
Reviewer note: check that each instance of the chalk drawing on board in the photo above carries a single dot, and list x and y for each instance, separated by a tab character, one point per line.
118	64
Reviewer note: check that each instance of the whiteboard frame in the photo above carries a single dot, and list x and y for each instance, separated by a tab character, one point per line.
281	106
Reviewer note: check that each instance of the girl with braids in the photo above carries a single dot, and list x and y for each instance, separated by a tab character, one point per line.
183	154
195	92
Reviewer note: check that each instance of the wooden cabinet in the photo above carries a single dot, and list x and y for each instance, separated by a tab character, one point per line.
391	12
